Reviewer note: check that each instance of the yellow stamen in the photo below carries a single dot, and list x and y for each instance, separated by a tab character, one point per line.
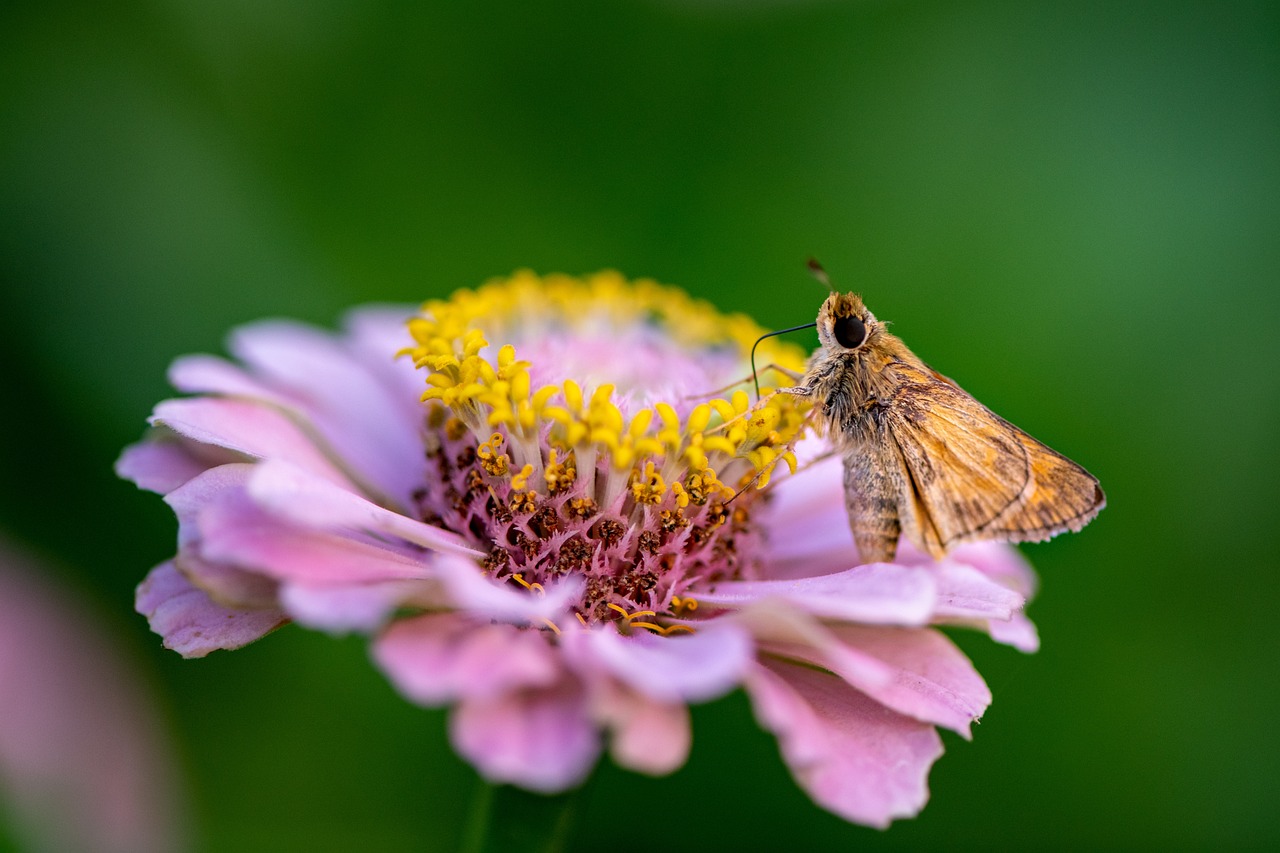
649	486
682	606
596	452
521	479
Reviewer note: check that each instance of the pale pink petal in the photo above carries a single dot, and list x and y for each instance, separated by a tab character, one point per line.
1019	632
1002	563
676	668
808	524
85	763
1005	565
914	671
645	735
235	530
253	429
190	623
966	593
852	755
542	739
375	330
470	589
439	657
188	501
209	374
933	681
347	608
373	425
780	628
228	586
877	594
293	494
158	466
909	555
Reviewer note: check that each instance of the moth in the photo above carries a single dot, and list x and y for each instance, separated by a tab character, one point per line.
922	458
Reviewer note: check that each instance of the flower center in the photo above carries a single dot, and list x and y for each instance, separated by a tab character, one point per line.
644	485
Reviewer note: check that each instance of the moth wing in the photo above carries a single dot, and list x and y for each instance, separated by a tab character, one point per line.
964	466
1065	497
973	475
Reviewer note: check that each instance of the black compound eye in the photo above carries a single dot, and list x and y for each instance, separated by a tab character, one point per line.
850	332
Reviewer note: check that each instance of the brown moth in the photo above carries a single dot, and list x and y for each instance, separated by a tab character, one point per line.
924	459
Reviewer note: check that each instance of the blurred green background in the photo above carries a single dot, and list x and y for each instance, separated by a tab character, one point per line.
1072	209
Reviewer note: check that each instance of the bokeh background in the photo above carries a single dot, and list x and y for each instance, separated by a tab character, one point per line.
1073	209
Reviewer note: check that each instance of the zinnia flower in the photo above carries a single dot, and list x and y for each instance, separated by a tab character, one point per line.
568	538
85	761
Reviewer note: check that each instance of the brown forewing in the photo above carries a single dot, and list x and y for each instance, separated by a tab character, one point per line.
972	475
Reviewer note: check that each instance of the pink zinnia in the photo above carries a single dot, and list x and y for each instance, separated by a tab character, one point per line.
567	537
85	761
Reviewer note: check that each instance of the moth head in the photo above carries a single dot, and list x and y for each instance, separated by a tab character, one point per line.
844	323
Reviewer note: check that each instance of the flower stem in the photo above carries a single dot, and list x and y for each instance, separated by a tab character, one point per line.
505	818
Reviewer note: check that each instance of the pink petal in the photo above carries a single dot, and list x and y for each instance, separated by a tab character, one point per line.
158	466
646	736
855	757
347	608
85	762
228	586
188	501
1019	632
372	423
209	374
190	623
469	588
439	657
375	330
1005	565
296	495
966	593
1002	563
540	738
932	681
782	629
808	524
679	668
878	593
235	530
245	427
917	672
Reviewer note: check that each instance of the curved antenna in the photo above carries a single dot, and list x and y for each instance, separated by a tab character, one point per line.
754	376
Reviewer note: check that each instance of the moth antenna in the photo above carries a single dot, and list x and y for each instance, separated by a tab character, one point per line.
816	270
754	376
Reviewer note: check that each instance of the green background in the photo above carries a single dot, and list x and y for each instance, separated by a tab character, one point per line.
1070	208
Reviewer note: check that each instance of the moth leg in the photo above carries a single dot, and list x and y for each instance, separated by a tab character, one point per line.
871	499
787	448
790	374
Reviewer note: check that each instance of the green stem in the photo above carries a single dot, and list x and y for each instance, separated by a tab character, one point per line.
505	818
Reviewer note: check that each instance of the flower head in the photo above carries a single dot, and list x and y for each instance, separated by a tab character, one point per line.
549	518
85	761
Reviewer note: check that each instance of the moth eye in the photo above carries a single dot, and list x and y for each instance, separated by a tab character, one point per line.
850	332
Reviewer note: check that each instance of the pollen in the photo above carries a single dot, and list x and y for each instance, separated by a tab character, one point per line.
552	448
